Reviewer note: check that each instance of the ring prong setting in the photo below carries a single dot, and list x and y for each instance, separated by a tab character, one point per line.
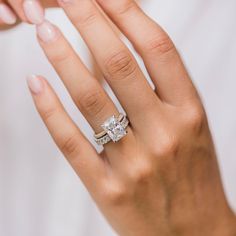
113	127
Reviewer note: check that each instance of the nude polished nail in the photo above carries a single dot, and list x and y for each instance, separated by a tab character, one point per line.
33	11
46	32
7	15
35	84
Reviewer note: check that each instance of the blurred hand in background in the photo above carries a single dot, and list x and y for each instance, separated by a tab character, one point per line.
12	11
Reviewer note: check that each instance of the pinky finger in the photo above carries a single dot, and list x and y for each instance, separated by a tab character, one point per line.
76	148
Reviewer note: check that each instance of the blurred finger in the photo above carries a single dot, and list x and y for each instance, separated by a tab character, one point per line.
30	11
7	16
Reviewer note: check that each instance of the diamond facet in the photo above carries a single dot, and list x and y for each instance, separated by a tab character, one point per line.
114	129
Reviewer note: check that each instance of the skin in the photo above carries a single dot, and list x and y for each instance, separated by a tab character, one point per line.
163	177
17	8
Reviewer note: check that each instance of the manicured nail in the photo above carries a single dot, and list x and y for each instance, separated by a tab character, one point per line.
33	11
7	15
35	84
46	32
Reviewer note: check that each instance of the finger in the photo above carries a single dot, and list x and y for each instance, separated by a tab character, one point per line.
30	11
157	50
49	3
115	60
85	90
76	148
7	16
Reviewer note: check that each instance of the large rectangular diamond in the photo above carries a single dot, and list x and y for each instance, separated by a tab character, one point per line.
114	129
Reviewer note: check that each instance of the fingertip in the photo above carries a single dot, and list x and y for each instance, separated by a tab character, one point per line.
47	32
35	84
34	11
7	15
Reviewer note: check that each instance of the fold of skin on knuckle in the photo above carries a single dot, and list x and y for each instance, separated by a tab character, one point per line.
83	16
93	101
118	7
159	44
60	57
74	150
47	113
120	65
86	19
124	7
58	52
70	145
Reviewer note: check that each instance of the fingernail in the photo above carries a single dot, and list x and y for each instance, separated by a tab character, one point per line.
46	32
7	15
35	84
33	11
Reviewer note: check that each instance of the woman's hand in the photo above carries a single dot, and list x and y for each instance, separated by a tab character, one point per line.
162	178
31	11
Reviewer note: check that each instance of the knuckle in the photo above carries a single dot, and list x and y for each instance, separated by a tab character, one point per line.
93	102
85	17
159	45
48	114
69	145
114	193
125	7
195	118
142	172
120	65
59	55
168	147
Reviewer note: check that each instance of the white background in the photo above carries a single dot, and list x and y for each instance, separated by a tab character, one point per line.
39	193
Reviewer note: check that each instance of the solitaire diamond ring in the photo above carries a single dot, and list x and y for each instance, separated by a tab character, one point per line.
114	129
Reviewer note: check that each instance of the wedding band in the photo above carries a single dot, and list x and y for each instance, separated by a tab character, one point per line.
114	129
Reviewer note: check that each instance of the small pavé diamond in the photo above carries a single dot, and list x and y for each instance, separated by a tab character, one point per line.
114	129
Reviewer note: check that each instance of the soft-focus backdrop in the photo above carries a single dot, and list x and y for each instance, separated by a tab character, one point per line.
39	193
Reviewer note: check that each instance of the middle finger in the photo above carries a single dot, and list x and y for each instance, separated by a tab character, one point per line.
118	65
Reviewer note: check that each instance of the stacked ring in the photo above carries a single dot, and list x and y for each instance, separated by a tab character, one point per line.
114	129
